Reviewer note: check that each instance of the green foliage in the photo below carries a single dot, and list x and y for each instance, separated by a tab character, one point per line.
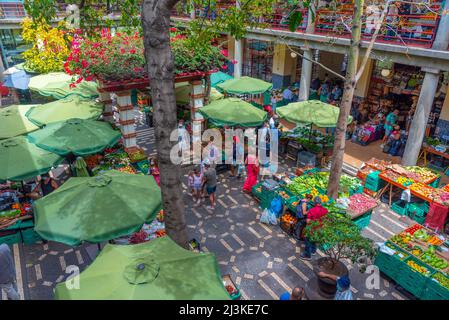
41	11
295	20
340	237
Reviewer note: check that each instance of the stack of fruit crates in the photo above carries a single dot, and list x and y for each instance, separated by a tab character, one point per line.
434	290
399	209
390	265
373	182
413	280
363	220
418	211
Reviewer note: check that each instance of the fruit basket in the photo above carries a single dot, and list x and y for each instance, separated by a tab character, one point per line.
231	287
288	223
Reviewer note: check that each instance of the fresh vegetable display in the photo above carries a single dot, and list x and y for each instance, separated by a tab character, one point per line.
441	279
289	219
404	181
421	269
127	169
360	203
420	174
432	259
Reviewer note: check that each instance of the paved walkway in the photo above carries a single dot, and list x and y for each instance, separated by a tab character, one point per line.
261	259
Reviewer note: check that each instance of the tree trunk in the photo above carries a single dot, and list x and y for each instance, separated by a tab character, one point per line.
346	102
160	62
208	87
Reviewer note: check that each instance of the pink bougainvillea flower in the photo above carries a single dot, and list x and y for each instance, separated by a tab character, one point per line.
79	79
122	51
234	61
118	34
132	51
173	29
224	52
84	64
89	78
224	67
72	85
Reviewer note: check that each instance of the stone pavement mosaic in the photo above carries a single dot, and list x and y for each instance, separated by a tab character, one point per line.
263	261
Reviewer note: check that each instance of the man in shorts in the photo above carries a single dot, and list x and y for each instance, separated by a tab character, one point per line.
210	182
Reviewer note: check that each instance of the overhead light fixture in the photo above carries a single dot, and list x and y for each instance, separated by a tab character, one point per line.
293	55
385	73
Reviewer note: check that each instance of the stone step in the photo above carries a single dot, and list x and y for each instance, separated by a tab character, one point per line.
347	168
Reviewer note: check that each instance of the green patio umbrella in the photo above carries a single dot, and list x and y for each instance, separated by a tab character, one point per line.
64	109
58	86
22	160
77	136
219	77
182	93
233	112
244	85
97	209
311	112
13	121
154	270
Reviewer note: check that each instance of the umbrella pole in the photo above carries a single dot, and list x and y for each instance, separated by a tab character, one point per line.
99	246
310	133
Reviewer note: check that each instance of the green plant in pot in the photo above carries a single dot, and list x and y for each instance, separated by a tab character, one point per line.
339	238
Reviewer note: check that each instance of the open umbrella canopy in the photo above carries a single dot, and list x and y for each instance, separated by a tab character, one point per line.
182	93
96	209
18	79
233	112
13	121
244	85
77	136
154	270
57	85
64	109
313	112
22	160
219	77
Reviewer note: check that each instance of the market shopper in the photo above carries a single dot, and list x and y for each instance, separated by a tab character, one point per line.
237	157
314	214
301	215
210	182
343	286
288	95
8	273
252	170
390	121
297	294
197	185
153	170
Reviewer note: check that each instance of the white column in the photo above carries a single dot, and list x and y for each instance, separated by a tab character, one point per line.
105	99
306	75
126	110
419	123
238	56
196	102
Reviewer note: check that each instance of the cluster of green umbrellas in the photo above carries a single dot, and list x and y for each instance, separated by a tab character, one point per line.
57	85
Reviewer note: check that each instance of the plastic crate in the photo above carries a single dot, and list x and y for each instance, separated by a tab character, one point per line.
30	236
398	209
10	238
436	183
364	220
313	170
306	158
411	280
355	191
375	186
435	291
419	208
390	265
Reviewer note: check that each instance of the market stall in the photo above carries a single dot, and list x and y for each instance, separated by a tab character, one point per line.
251	89
418	260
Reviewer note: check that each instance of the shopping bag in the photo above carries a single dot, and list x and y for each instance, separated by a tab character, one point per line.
272	218
264	217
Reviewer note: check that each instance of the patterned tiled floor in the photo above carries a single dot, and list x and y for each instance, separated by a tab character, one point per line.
261	259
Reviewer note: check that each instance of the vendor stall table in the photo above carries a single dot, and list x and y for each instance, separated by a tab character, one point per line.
408	264
22	231
426	150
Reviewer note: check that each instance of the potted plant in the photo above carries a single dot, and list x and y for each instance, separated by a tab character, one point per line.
340	238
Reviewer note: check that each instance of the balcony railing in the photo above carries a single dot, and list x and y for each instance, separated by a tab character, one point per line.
11	10
416	27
